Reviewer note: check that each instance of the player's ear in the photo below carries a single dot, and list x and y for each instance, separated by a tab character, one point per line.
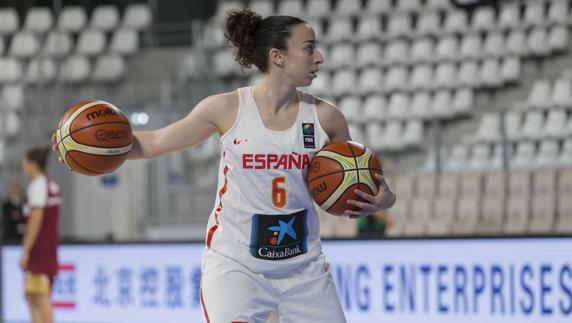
276	56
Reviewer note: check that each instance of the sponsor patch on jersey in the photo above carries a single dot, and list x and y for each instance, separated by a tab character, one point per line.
308	134
280	236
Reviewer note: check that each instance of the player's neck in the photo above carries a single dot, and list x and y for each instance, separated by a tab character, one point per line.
270	94
35	174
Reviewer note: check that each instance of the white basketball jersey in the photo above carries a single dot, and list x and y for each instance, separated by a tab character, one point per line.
264	217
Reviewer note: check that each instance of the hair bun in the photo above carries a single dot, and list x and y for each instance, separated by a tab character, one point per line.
240	29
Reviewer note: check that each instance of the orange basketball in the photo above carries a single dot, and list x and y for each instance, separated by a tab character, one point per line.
93	137
337	170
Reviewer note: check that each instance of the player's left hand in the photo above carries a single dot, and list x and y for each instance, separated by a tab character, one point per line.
24	261
384	199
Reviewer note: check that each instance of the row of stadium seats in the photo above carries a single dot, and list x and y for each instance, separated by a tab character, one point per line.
512	14
545	95
556	123
490	73
445	49
442	104
73	19
515	202
90	42
73	69
520	155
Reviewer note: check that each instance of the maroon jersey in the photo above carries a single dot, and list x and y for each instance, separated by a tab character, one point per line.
45	194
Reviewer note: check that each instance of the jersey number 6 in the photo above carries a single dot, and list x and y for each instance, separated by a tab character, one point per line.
279	192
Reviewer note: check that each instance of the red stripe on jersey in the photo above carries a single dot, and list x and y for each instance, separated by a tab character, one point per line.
223	190
204	308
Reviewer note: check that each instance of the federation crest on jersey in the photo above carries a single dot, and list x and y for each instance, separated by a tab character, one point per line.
308	135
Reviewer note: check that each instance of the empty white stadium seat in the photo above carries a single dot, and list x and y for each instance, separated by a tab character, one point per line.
438	4
351	106
532	127
428	23
392	136
555	126
9	21
41	70
396	79
469	74
137	16
512	124
369	27
374	107
395	52
124	41
447	48
57	44
369	54
421	105
463	101
224	63
422	50
374	133
322	84
558	38
398	106
445	75
72	19
377	6
494	44
457	159
413	133
75	69
547	154
398	25
524	155
516	43
109	68
490	73
421	77
483	19
348	7
25	44
343	82
342	55
11	70
559	12
38	20
534	14
91	42
340	29
539	95
456	21
489	128
262	7
290	7
537	42
562	93
408	5
357	133
318	8
12	96
370	81
12	124
442	104
105	17
509	16
511	68
471	46
480	156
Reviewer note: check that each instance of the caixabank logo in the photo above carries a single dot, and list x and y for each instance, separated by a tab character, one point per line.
64	290
277	237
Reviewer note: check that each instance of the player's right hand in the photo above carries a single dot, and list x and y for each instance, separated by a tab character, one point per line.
55	148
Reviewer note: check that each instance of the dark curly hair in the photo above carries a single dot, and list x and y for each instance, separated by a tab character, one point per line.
253	36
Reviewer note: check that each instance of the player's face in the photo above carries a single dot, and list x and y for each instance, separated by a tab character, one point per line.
303	57
26	166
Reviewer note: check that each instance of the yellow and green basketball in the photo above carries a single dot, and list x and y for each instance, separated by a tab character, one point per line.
337	170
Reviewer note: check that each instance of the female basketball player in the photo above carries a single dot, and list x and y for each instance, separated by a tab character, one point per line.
39	259
263	251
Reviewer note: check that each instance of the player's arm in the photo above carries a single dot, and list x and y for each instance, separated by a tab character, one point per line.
335	125
332	121
206	118
32	230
